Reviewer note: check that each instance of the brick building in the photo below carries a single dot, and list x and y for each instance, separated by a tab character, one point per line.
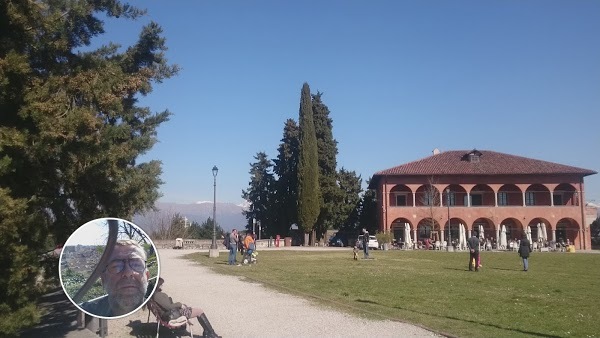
483	190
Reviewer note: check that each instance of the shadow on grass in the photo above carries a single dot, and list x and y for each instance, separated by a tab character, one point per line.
457	269
461	319
504	269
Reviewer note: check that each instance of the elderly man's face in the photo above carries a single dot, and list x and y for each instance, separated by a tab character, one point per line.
125	279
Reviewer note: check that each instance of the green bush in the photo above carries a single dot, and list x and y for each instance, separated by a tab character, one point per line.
384	237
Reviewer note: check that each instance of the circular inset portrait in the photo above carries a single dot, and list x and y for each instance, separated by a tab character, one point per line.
108	267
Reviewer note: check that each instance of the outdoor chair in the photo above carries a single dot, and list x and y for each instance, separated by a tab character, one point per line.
175	325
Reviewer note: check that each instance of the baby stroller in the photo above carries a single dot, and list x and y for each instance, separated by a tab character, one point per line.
250	256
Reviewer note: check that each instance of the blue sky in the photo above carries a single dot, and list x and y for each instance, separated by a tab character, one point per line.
399	77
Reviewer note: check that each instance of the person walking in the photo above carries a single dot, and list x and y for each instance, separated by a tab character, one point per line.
233	240
473	245
524	251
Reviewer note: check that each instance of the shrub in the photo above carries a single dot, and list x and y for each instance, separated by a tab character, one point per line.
384	237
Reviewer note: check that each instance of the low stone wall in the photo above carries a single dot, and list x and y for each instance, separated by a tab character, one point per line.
196	244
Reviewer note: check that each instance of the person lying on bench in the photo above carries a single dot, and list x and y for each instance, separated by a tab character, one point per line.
165	302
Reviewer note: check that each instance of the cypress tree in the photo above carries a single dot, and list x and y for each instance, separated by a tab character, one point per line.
308	167
330	212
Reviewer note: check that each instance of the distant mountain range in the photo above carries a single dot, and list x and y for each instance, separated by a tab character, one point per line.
228	215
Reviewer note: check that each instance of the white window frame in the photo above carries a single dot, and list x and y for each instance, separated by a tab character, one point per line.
502	198
530	198
396	195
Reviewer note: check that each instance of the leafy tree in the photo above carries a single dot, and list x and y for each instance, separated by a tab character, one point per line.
71	131
595	233
327	163
285	204
19	263
259	193
349	207
368	210
309	195
205	230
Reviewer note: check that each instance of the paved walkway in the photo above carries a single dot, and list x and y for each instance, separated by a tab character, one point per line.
60	319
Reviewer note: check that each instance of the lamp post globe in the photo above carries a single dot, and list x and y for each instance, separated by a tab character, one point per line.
214	251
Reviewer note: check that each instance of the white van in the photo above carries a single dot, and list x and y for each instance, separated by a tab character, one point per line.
373	243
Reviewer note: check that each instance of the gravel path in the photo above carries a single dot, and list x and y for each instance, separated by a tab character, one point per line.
273	314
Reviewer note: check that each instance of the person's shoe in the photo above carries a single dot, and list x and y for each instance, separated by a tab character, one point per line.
209	332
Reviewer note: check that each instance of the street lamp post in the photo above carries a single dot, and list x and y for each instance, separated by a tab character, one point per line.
449	246
214	251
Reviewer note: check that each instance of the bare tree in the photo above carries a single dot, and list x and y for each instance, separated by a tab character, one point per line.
158	223
167	224
129	231
431	199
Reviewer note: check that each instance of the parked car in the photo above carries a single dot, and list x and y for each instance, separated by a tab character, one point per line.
338	240
373	243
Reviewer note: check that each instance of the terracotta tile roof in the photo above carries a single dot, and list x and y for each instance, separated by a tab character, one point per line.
456	162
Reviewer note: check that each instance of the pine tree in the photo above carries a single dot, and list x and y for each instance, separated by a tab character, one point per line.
308	168
70	132
350	186
286	186
328	181
259	193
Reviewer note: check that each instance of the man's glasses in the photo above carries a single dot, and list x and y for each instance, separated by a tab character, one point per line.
118	265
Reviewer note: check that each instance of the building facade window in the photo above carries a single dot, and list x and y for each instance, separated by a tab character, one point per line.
401	200
502	198
425	231
428	198
557	199
476	199
451	199
530	198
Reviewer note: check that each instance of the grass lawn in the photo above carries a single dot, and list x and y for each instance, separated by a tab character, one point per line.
558	297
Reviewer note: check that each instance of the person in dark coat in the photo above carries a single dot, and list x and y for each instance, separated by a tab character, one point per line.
473	245
365	242
524	251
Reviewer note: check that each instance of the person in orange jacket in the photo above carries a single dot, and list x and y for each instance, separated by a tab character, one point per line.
249	245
